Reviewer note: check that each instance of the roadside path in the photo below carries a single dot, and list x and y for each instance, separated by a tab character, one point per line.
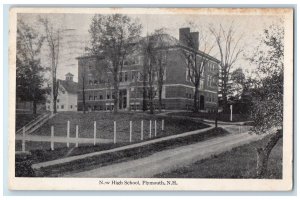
169	159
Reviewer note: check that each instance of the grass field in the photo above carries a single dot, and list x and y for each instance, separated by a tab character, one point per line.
105	127
212	116
240	162
23	119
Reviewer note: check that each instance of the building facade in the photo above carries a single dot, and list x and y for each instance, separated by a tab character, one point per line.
67	95
177	92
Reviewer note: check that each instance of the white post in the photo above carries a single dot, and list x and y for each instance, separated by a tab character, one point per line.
52	138
77	136
68	134
23	140
115	132
95	127
130	131
150	127
142	130
155	128
230	112
162	124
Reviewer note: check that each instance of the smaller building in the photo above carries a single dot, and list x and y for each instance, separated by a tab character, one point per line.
67	95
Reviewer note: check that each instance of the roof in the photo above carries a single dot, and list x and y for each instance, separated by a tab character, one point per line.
171	41
70	86
69	74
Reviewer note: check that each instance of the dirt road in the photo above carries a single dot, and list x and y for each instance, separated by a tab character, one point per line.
169	159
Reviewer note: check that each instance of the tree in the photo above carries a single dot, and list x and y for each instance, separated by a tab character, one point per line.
114	37
52	36
195	62
161	59
29	79
149	70
268	103
229	50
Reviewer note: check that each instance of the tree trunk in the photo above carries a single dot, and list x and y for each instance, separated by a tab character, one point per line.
159	98
83	99
116	95
34	106
151	100
264	153
54	105
195	100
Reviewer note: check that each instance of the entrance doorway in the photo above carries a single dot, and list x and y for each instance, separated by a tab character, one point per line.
123	99
201	102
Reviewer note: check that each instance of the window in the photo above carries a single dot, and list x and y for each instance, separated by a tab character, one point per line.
57	100
125	76
121	77
100	97
90	97
63	91
48	107
71	106
134	75
62	106
95	82
107	96
90	67
90	82
95	98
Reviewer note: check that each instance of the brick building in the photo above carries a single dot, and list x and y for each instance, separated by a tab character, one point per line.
177	93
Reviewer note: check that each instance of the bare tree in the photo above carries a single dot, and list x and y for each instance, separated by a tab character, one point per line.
228	44
53	40
195	60
149	70
114	37
161	58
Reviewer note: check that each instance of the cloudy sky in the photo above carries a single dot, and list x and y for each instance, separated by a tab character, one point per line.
75	40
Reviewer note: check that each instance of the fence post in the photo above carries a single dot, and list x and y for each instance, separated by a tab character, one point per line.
130	131
68	134
115	132
52	138
142	130
23	140
162	124
155	128
77	136
150	127
95	127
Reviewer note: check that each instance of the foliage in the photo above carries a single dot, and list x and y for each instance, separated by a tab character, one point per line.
29	79
268	104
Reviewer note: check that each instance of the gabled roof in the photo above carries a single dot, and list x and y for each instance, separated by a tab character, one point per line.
170	41
70	86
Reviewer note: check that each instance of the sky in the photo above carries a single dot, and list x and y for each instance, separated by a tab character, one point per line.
75	36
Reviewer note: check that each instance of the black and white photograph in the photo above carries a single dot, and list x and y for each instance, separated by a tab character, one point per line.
151	99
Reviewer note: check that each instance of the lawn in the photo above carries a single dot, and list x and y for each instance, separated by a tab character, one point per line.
23	119
105	127
240	162
109	158
212	116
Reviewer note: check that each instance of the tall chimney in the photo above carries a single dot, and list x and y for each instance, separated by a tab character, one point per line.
195	39
184	33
